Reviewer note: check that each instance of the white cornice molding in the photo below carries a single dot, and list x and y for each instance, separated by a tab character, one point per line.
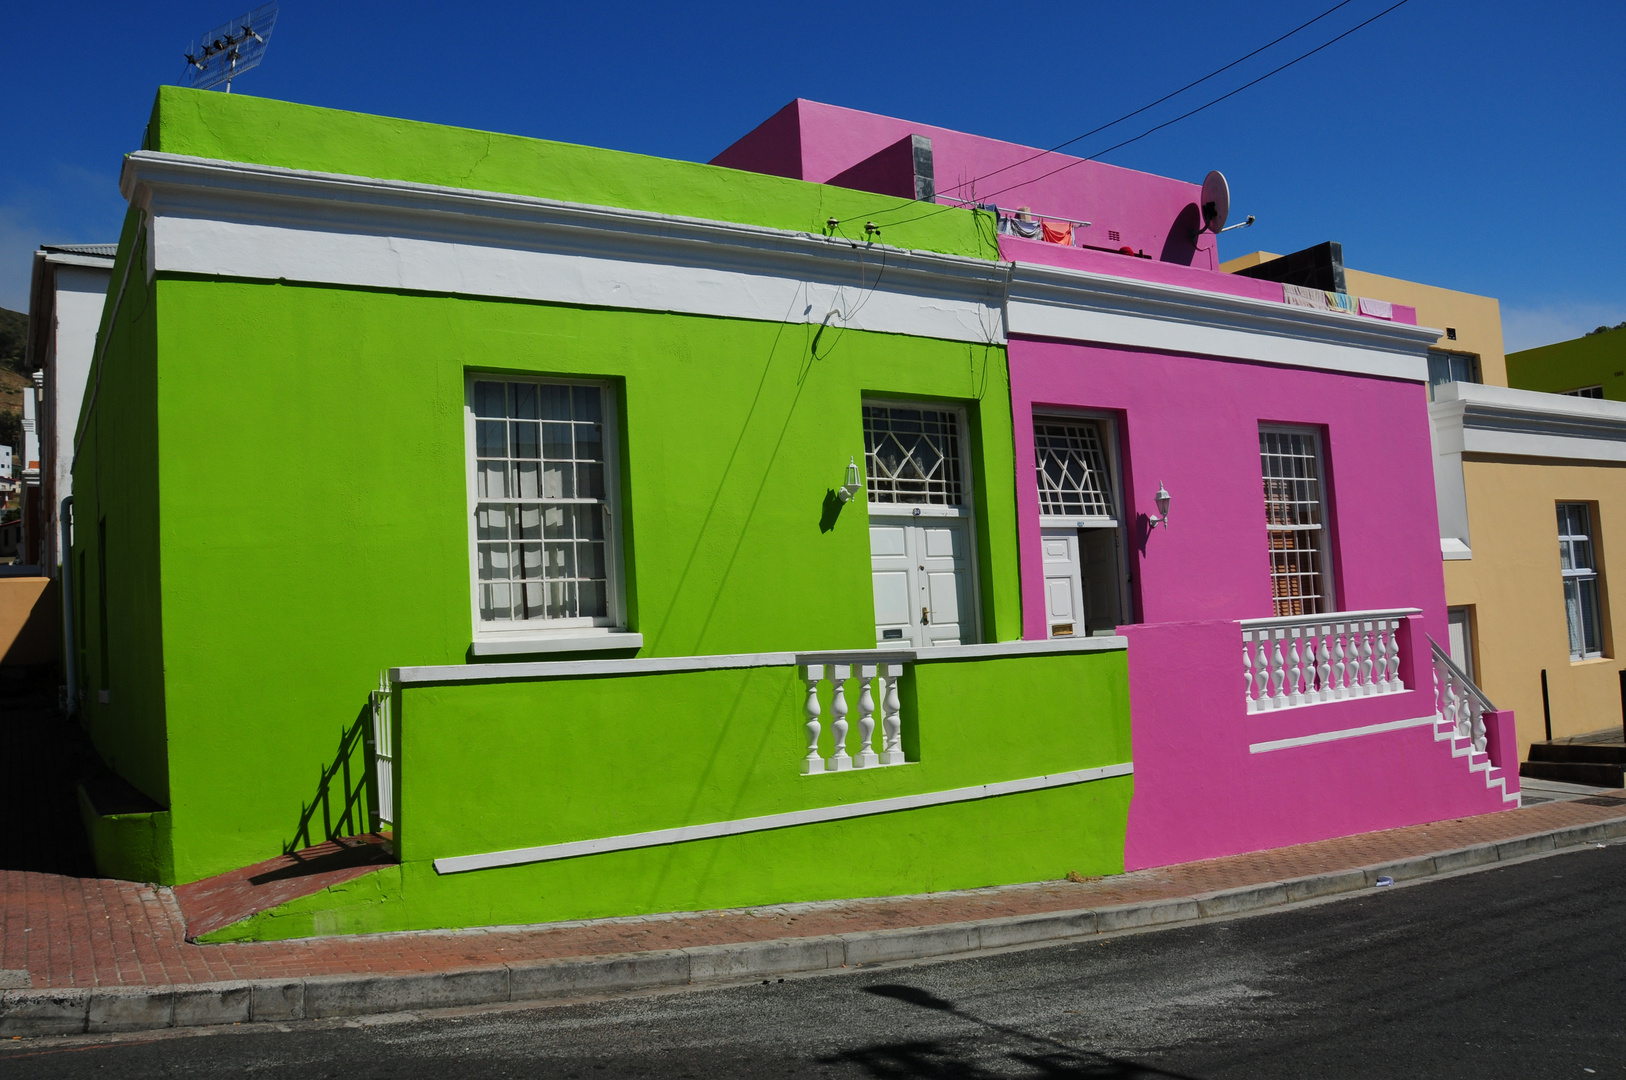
1469	418
231	219
1048	301
263	222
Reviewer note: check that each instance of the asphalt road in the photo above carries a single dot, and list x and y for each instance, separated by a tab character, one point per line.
1517	972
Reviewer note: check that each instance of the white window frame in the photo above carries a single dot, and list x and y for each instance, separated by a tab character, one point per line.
1323	531
1595	391
1583	577
1107	425
911	511
570	635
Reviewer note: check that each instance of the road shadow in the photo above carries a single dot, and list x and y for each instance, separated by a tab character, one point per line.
928	1059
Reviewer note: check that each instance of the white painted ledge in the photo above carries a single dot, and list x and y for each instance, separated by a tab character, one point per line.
535	644
1334	736
1453	549
659	837
443	674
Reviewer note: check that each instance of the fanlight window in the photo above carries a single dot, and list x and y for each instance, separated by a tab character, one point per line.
1072	469
913	455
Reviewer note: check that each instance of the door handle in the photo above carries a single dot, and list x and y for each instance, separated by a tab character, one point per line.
925	617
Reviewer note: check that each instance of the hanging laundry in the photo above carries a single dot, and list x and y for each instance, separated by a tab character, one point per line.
1018	227
1299	296
1338	301
1058	232
1377	309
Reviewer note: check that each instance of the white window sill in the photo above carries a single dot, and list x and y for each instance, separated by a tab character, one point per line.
536	643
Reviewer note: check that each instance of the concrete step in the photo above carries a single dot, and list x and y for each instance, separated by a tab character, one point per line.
1593	774
1579	752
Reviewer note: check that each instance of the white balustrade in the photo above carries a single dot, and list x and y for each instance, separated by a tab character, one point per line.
877	682
1457	701
1310	659
383	751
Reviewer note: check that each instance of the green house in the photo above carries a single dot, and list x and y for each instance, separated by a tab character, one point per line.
533	505
1593	366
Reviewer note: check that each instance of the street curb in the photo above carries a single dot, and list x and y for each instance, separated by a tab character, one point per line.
77	1010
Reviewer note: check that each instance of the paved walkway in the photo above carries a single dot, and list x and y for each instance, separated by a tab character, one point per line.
66	931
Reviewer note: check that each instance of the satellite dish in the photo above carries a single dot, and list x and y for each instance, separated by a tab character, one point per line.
1216	202
228	51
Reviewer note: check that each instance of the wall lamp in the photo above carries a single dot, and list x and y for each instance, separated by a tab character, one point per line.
1162	515
854	483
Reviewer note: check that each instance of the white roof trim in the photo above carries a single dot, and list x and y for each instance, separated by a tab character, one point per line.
234	219
1048	301
1469	418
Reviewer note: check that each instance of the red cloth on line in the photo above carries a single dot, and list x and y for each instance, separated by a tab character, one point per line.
1058	232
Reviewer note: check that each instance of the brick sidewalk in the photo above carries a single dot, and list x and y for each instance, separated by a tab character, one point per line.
90	932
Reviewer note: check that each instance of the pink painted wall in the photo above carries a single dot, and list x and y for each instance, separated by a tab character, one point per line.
810	141
1200	793
1192	424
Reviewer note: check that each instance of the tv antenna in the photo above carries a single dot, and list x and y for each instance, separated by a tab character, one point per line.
229	50
1216	206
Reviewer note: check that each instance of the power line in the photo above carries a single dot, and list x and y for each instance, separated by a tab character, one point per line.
1158	127
1159	101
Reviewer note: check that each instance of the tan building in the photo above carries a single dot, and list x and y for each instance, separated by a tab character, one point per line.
1532	499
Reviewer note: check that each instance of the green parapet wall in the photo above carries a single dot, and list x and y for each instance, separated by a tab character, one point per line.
260	131
497	766
1593	360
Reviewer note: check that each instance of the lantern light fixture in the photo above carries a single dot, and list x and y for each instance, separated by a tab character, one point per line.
854	483
1162	515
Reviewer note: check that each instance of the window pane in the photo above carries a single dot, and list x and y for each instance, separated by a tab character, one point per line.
555	402
490	439
1590	627
536	442
488	399
588	401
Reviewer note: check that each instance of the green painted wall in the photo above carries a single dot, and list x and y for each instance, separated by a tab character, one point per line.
1595	360
116	494
629	754
314	522
239	128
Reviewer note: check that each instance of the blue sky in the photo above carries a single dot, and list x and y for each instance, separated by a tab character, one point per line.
1475	144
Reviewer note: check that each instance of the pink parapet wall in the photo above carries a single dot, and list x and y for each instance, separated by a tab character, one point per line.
809	141
1192	424
1205	787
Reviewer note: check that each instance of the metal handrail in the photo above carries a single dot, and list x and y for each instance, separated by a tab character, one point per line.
1451	665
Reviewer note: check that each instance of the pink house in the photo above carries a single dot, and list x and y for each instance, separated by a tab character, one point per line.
1283	602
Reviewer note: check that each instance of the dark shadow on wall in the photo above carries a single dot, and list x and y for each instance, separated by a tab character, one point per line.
345	802
971	1057
1180	245
832	511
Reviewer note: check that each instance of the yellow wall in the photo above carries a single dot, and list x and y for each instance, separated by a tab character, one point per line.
1476	319
28	622
1514	584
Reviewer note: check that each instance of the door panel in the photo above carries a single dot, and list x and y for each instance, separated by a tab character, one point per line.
923	582
1063	583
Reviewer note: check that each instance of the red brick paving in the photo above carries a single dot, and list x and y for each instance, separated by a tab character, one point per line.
232	897
69	931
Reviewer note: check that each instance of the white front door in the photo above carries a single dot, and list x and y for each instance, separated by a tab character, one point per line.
924	587
1063	583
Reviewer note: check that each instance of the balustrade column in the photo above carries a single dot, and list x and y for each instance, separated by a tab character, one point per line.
1278	672
1323	664
891	721
839	760
1295	667
1247	670
1394	656
812	674
866	757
